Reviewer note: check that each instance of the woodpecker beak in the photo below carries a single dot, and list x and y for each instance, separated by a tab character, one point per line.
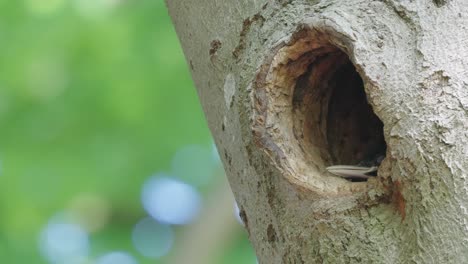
347	171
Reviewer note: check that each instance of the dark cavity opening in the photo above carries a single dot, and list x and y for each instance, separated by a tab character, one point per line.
354	132
332	114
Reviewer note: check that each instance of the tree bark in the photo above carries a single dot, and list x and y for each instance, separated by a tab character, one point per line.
281	82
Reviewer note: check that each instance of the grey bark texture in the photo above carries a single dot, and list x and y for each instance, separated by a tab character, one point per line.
264	71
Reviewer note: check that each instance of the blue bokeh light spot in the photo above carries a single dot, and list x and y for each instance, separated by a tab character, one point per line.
63	242
170	201
117	257
152	239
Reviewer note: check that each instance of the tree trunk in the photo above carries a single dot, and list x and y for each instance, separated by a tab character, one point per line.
292	87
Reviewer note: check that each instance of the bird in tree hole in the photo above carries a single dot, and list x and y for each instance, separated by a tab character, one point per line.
362	171
354	132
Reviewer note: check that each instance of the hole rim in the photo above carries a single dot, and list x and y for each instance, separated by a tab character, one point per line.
273	106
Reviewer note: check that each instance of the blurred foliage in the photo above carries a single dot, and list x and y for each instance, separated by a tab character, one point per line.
95	96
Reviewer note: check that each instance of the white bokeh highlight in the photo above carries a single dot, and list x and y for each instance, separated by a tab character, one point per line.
117	257
170	201
152	239
237	214
64	242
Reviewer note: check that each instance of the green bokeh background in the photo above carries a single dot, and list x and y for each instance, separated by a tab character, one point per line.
95	97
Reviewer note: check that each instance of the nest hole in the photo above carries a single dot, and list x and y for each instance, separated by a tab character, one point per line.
312	111
332	117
